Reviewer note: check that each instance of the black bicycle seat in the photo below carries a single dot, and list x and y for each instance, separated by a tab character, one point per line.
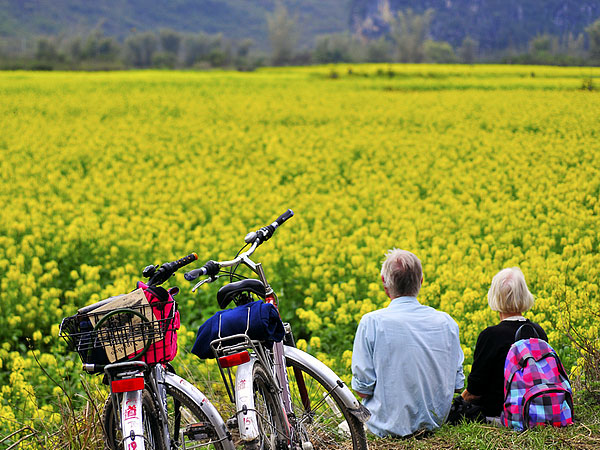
235	290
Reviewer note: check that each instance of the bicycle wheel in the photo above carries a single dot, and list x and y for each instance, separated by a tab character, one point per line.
188	425
272	422
325	421
153	436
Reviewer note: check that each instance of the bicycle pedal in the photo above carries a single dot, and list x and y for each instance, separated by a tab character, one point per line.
232	423
200	431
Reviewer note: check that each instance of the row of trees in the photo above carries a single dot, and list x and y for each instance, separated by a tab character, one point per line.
163	49
406	40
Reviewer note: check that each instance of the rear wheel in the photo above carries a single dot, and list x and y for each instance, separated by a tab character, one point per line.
272	423
153	436
188	425
323	420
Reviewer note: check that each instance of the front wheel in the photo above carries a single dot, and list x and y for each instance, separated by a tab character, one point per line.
321	416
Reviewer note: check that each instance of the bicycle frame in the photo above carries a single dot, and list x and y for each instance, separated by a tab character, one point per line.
243	393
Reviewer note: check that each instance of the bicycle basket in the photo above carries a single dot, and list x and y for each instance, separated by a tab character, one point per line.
120	330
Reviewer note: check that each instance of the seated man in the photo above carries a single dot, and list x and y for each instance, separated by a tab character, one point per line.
407	359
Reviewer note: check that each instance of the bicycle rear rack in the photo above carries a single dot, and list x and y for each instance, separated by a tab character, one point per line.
237	343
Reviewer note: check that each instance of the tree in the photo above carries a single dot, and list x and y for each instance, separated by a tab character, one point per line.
408	30
282	35
206	49
379	50
438	52
593	32
467	52
170	41
140	48
575	46
333	48
46	51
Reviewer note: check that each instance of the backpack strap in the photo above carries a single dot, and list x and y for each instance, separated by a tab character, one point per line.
519	333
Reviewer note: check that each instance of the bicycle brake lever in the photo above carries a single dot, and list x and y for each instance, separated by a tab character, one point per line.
206	280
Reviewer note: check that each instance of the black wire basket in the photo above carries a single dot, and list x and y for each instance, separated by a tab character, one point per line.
146	332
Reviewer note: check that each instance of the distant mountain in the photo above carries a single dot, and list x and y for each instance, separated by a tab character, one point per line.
495	24
236	19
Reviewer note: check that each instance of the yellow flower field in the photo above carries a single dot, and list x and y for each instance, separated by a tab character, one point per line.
473	168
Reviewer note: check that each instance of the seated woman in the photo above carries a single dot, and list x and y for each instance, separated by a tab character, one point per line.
509	296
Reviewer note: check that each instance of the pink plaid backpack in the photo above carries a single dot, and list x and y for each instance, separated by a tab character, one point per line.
536	387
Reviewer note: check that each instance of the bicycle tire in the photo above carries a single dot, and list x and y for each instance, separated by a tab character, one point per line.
272	422
190	414
153	436
320	422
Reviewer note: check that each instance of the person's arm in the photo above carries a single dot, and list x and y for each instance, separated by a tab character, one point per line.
363	371
470	398
459	381
480	371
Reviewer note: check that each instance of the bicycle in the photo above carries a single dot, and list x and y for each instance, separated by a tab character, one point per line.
284	397
132	338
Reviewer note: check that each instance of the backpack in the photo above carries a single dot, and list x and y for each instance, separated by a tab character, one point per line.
536	387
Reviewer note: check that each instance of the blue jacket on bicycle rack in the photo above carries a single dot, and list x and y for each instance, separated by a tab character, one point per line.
259	320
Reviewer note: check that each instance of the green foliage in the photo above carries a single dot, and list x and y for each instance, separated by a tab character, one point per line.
467	52
333	48
593	32
282	35
438	52
140	49
408	31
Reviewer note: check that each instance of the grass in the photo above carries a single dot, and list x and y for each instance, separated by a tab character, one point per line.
85	433
583	434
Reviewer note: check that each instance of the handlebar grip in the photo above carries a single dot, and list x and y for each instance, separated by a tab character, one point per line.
91	368
164	272
193	274
210	268
185	261
285	216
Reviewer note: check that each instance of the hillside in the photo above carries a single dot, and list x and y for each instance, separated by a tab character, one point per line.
495	24
237	19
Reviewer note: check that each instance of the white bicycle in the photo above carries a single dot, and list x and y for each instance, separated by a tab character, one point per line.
284	397
149	405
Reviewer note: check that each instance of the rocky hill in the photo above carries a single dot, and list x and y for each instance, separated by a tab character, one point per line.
495	24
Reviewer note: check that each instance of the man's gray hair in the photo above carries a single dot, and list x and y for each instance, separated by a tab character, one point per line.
509	293
402	273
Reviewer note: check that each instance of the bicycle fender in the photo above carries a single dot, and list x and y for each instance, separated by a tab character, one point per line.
244	401
332	380
205	405
132	427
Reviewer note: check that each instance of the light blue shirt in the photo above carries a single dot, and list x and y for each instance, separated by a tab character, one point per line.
408	358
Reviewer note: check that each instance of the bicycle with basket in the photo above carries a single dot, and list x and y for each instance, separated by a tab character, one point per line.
131	339
284	398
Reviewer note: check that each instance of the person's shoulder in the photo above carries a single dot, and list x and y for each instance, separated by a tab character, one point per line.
491	331
441	315
372	316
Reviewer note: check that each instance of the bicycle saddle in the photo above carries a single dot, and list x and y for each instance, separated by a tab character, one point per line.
239	292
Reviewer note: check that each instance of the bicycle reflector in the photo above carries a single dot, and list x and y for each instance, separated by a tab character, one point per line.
127	385
234	360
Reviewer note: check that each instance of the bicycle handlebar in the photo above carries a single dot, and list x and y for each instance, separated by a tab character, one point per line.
211	268
164	272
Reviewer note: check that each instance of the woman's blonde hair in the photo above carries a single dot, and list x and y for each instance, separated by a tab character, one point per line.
509	292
